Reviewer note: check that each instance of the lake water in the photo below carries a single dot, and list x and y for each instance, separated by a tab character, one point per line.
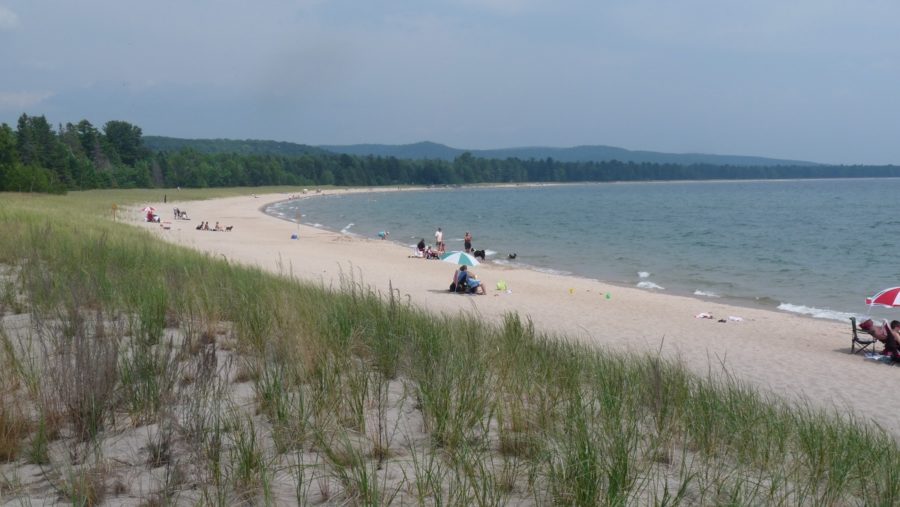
816	247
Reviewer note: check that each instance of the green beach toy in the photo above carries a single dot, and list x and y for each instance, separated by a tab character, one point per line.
501	285
608	296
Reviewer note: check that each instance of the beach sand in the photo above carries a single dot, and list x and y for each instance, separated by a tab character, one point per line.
795	357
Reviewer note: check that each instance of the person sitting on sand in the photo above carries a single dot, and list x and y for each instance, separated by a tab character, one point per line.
888	335
475	286
421	247
892	340
460	280
218	227
466	282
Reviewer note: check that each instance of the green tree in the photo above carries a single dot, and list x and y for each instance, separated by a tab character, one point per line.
125	139
37	143
39	146
327	177
8	153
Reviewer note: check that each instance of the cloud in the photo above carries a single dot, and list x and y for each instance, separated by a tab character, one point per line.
18	101
8	19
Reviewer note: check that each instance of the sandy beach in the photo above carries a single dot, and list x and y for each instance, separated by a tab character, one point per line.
795	357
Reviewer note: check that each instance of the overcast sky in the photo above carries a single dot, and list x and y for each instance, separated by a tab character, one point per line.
804	79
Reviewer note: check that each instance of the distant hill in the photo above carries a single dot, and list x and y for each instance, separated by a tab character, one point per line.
429	150
416	151
435	151
241	147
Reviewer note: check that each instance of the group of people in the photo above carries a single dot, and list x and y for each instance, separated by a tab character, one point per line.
181	214
887	334
204	226
426	251
464	281
441	246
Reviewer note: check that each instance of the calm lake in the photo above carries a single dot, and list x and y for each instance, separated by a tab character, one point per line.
816	247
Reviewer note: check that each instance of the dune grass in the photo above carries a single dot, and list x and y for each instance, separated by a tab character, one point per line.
243	386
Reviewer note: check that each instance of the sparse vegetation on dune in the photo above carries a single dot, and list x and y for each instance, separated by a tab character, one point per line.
130	368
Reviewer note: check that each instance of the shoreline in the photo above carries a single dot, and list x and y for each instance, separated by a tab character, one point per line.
796	357
730	301
757	303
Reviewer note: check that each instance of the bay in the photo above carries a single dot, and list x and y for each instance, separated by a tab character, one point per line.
816	247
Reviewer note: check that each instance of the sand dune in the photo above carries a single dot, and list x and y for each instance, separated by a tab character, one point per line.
791	356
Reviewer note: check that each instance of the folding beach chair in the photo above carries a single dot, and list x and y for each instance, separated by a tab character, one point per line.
856	341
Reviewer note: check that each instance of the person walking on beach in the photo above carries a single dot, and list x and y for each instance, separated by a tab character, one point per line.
439	240
467	242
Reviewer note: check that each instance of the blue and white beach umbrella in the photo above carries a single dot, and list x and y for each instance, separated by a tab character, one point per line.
460	258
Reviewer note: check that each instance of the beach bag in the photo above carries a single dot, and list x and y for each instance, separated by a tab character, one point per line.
453	287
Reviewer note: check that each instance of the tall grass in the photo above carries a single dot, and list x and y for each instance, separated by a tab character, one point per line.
362	391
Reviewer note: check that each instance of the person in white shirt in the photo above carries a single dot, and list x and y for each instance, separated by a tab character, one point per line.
439	240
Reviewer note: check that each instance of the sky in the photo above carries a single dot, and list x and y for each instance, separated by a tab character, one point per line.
814	80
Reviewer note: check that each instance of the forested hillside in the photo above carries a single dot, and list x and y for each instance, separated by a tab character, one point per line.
239	147
430	150
574	154
35	157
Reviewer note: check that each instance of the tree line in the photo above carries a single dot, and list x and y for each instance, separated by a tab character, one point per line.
36	157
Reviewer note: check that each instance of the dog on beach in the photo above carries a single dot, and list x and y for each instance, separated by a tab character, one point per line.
512	255
228	229
478	254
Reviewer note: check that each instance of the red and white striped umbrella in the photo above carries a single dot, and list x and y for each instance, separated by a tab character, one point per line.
888	297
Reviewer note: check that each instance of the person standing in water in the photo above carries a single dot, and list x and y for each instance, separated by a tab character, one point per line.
439	240
467	242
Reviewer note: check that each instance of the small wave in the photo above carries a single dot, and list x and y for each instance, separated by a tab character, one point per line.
488	253
549	271
317	225
708	294
346	228
817	313
643	274
650	285
766	301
